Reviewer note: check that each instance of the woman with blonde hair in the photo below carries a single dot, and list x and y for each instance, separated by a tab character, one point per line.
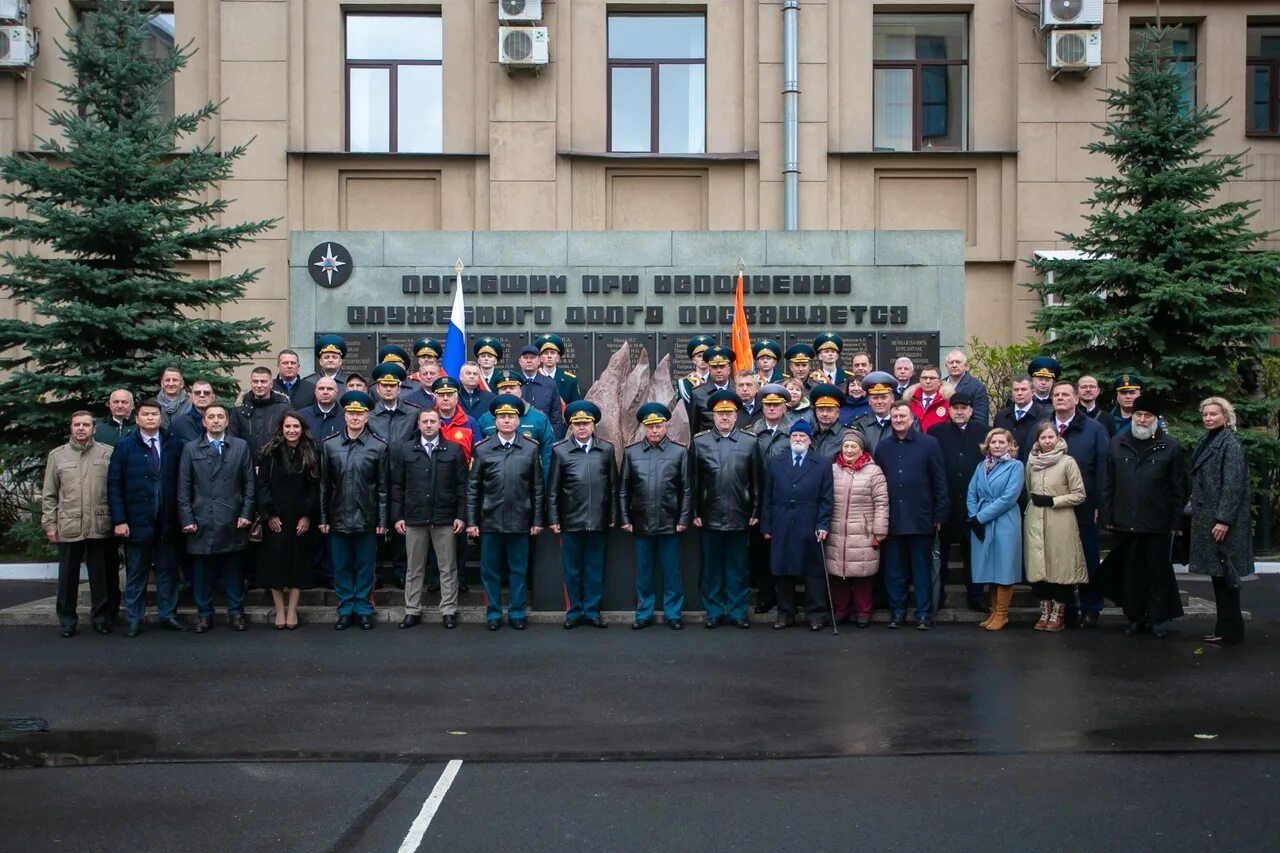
1221	541
995	523
1051	537
859	523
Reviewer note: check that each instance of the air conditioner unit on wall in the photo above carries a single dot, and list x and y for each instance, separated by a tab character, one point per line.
13	10
523	47
17	47
1074	50
1071	13
526	11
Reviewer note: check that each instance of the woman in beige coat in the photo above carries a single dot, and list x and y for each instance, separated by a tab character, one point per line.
1054	556
859	523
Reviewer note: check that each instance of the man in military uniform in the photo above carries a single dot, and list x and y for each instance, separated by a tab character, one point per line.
397	354
767	354
428	352
771	438
655	503
539	390
829	346
550	351
720	363
391	419
504	509
1127	387
875	425
330	351
799	360
353	507
581	507
697	348
1044	371
532	423
726	504
488	352
826	400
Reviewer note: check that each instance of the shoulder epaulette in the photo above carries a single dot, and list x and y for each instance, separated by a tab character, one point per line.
570	375
694	380
374	435
331	437
704	432
555	443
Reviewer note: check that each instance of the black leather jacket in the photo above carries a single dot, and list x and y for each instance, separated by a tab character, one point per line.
582	489
699	406
655	492
505	487
427	490
1145	486
825	442
726	479
255	419
394	426
353	483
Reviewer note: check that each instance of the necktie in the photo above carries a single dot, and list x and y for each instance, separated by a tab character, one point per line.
928	401
217	446
430	446
882	423
797	463
1017	415
1062	429
154	454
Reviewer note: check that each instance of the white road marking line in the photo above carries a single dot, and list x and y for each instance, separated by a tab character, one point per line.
430	807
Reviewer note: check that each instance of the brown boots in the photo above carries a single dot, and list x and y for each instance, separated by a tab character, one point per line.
992	594
1046	605
1056	617
1002	596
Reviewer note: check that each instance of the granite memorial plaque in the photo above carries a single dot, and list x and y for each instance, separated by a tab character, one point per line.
921	347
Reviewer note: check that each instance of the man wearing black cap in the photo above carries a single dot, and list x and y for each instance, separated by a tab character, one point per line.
720	363
353	507
726	500
767	353
504	509
1143	495
960	440
655	502
550	351
800	362
488	352
581	507
1044	371
1126	387
829	347
540	391
700	375
392	419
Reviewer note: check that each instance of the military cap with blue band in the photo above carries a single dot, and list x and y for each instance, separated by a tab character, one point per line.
653	413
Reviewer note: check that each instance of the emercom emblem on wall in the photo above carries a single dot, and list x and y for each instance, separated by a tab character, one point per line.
330	264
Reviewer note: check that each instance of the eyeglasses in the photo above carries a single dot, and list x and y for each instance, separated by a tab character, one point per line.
201	393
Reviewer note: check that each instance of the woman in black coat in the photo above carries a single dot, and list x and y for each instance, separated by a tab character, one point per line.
289	501
1221	534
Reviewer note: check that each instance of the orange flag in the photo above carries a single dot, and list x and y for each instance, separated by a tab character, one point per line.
740	338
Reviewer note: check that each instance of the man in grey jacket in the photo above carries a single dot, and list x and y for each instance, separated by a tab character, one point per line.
215	509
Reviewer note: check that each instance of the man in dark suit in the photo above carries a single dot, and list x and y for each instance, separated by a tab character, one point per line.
325	417
964	382
1088	390
215	507
1021	415
540	391
918	506
798	497
301	392
875	423
720	378
960	439
747	384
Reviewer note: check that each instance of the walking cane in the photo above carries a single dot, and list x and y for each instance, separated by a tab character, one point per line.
826	576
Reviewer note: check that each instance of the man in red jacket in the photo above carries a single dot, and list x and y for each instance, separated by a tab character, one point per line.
928	404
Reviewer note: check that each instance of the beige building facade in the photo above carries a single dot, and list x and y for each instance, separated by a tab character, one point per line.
912	115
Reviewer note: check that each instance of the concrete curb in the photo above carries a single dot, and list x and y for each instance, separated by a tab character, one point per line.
33	572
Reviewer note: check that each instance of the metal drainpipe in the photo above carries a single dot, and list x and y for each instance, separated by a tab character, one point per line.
790	114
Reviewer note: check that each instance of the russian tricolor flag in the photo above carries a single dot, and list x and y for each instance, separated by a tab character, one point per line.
455	342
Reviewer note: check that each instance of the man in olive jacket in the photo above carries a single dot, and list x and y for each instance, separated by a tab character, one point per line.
505	508
353	507
581	503
215	508
726	503
75	517
428	501
655	502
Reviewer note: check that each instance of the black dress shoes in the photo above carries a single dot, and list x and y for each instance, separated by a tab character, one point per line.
1133	629
639	624
134	629
410	619
518	624
102	627
817	626
863	623
895	623
763	607
494	624
366	623
68	631
570	624
600	622
712	623
450	621
238	623
742	623
676	624
783	622
343	623
172	624
924	624
203	625
1159	631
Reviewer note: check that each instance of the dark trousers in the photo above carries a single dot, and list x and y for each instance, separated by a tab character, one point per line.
1091	593
815	596
1058	592
209	569
509	551
761	571
725	579
909	556
962	542
353	556
91	552
112	564
1149	586
663	549
1230	624
582	558
165	554
322	564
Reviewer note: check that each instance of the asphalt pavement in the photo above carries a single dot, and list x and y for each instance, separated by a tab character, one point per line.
623	740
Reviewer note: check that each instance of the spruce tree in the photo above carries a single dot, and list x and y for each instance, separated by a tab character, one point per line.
109	207
1170	285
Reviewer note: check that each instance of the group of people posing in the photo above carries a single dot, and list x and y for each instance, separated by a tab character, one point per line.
846	481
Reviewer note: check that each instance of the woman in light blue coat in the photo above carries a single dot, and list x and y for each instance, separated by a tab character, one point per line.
995	522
